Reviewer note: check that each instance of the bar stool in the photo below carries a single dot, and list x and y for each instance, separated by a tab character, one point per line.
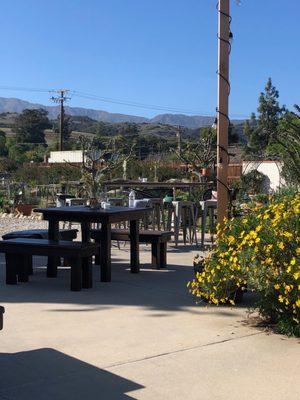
185	216
208	207
167	215
157	214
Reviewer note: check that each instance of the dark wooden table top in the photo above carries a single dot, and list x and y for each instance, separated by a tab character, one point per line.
87	214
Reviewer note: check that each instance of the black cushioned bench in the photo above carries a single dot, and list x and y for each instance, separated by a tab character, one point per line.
158	240
18	253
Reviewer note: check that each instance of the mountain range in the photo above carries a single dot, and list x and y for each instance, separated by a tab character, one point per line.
14	105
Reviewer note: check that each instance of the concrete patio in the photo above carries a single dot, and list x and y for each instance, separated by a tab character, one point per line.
138	337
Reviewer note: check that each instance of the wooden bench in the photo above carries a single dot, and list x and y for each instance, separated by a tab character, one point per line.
18	253
65	234
157	239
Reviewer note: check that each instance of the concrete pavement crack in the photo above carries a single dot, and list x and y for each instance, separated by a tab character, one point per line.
115	365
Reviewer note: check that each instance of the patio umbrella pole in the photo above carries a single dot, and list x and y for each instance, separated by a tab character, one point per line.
223	96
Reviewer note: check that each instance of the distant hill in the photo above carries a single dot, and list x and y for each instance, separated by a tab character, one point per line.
14	105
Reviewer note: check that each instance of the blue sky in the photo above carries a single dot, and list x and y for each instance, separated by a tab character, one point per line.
160	52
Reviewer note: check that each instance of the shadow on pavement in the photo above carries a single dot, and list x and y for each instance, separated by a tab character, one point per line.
160	290
49	374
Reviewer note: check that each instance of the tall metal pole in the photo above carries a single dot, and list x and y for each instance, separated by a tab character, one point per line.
61	122
223	97
61	99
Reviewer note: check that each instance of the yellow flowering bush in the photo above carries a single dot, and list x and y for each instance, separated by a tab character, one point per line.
259	251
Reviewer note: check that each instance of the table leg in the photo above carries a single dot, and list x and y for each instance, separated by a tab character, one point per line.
85	232
134	247
105	254
87	273
163	255
203	224
53	262
211	223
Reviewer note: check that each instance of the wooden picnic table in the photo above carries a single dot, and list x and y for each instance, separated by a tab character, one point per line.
85	216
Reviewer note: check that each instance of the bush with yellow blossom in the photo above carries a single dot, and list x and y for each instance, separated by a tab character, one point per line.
259	251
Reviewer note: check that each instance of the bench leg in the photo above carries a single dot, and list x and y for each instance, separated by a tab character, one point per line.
11	269
53	262
29	265
163	255
134	247
22	268
87	273
155	253
76	274
97	256
105	256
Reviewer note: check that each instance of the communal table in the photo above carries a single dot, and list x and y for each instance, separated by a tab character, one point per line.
85	216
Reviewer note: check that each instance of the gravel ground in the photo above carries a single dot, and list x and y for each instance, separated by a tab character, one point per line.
10	224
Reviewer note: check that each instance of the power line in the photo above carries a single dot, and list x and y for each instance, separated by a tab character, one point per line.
23	89
133	104
90	96
129	103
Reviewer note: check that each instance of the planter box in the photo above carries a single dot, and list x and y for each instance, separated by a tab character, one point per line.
25	209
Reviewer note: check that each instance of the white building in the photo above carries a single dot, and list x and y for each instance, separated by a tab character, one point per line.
72	156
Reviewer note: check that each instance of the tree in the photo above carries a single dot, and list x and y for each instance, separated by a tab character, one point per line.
262	131
287	145
7	165
3	148
30	126
102	129
97	164
199	155
270	113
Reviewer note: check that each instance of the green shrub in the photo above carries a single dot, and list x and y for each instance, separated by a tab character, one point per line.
259	251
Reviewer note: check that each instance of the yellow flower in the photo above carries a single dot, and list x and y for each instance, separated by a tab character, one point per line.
293	261
298	303
281	298
296	275
277	286
281	245
231	239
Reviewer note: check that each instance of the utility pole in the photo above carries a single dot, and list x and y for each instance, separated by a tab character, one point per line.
223	97
61	98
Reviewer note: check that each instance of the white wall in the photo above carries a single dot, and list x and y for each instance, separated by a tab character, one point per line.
271	169
73	156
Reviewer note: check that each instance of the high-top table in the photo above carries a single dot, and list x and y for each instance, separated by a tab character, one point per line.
85	216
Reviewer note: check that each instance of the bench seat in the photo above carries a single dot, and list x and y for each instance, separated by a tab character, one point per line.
157	239
19	252
64	234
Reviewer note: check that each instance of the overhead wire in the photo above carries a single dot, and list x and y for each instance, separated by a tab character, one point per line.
110	100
